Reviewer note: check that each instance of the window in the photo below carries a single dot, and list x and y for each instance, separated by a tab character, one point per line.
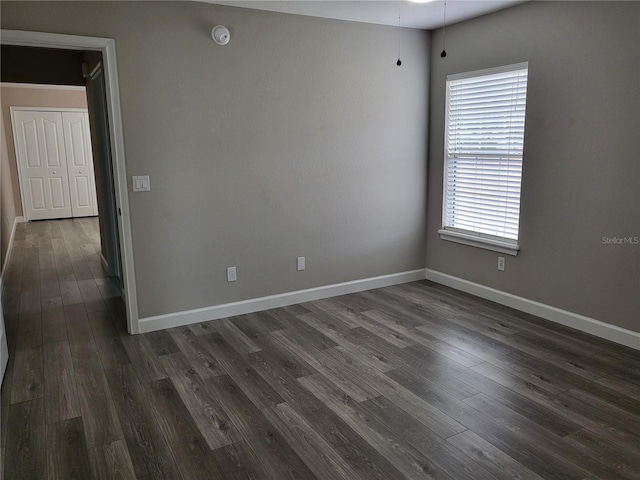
484	138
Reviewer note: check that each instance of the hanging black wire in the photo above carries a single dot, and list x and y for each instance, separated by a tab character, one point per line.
399	62
444	29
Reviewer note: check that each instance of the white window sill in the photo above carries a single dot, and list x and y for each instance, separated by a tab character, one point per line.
502	246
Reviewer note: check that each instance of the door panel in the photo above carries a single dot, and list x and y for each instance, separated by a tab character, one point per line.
41	157
30	136
80	164
53	150
82	187
37	193
56	187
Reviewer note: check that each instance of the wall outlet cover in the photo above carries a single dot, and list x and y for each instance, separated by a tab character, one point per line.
501	264
231	274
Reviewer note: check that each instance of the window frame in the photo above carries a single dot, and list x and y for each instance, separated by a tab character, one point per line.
469	237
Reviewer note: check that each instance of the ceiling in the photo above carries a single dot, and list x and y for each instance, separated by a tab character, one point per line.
425	16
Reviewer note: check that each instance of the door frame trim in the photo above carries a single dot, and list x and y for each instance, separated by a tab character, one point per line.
107	47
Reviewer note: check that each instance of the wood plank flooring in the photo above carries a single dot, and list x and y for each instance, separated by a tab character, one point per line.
415	381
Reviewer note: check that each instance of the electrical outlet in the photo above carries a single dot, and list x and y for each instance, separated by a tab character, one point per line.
231	274
301	263
501	264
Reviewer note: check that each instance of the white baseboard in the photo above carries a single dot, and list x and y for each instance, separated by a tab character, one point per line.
7	256
592	326
150	324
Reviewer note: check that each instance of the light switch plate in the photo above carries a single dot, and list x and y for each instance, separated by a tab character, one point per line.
141	183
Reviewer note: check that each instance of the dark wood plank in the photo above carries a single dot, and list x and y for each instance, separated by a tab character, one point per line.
259	391
607	399
49	286
96	405
269	448
59	383
69	290
238	462
207	414
408	460
196	353
620	386
491	458
440	306
54	327
193	458
236	337
444	401
540	347
26	450
161	343
378	328
296	343
327	328
604	419
147	446
624	460
566	461
407	330
112	462
144	360
564	405
360	455
436	369
424	440
203	328
68	457
108	337
321	458
279	360
28	370
540	373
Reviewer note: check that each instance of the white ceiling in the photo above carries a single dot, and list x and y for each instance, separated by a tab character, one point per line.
384	12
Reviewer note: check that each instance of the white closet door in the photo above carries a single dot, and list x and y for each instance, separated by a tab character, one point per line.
40	149
82	185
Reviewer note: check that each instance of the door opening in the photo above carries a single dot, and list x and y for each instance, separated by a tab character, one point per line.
104	112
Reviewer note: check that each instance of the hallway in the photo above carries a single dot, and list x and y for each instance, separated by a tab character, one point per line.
58	308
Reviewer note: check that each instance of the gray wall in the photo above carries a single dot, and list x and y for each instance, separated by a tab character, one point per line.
300	137
7	205
581	178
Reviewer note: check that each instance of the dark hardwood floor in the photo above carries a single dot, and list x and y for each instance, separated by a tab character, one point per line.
408	382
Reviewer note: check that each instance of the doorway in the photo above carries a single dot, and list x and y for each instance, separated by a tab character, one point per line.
113	132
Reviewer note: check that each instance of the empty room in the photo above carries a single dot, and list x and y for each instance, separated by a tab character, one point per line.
320	240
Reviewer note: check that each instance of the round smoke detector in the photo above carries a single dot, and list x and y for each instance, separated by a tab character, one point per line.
220	35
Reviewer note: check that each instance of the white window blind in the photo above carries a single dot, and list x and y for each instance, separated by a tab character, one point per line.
484	140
